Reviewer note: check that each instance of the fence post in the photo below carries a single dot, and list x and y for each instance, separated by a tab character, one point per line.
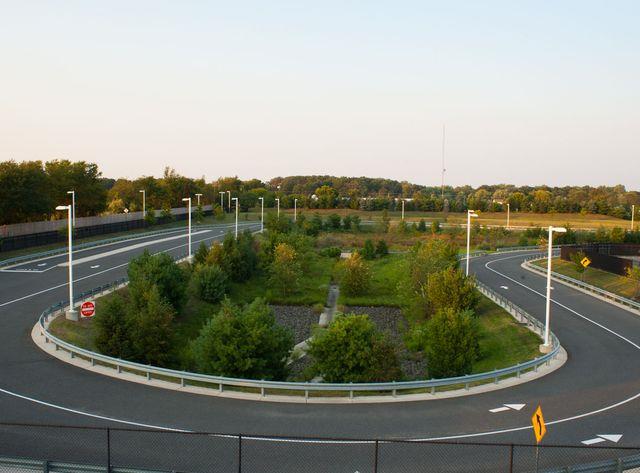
108	450
375	458
240	453
511	458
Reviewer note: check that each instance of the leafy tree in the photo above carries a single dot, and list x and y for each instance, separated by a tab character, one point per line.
158	270
243	342
451	289
23	192
576	258
449	341
83	178
435	227
151	327
355	275
200	256
351	349
285	270
326	197
112	324
355	222
218	212
368	251
237	258
422	226
211	283
150	217
198	214
334	222
617	235
166	214
385	222
347	222
381	248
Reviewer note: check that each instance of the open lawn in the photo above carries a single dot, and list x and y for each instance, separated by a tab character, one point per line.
620	285
386	274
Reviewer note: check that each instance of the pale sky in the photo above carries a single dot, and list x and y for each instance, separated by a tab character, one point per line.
531	92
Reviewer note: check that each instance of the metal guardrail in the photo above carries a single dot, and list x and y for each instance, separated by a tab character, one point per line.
582	285
508	249
20	465
107	241
265	388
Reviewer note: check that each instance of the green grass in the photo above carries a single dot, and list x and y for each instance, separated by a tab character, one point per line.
386	273
503	342
79	333
620	285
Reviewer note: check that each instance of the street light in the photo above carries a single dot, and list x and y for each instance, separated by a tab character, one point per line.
295	210
221	200
261	214
188	199
278	203
198	196
73	207
470	214
236	199
403	210
229	199
144	206
71	313
508	210
552	230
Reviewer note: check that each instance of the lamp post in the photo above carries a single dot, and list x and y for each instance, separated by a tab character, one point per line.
470	214
198	196
546	347
73	207
278	204
144	206
403	210
229	199
221	199
261	214
71	313
508	210
188	200
295	210
236	199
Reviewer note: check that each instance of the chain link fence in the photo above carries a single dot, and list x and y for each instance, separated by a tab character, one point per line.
52	448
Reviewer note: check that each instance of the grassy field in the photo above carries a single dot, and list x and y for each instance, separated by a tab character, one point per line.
386	273
620	285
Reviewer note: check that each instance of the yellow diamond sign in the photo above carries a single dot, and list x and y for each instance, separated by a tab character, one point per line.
537	420
585	262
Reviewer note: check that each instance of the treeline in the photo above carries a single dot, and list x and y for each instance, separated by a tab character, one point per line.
30	190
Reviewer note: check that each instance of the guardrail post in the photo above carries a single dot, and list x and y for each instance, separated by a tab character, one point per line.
619	468
148	376
45	466
240	453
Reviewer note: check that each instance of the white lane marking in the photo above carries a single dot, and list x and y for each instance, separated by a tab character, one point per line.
499	409
42	264
124	249
508	407
95	266
94	274
504	287
615	438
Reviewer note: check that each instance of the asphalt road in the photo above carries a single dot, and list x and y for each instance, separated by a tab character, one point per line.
594	393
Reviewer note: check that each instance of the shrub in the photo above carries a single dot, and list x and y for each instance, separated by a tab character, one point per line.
381	248
200	256
355	223
112	327
211	283
346	222
352	350
332	252
385	222
449	341
435	227
576	258
243	342
150	217
334	222
355	275
368	251
166	214
159	270
422	226
451	289
285	271
237	258
198	214
151	328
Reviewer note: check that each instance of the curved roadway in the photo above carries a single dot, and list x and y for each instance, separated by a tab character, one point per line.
594	393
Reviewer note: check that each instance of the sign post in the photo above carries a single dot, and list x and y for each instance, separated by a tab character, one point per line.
88	309
539	430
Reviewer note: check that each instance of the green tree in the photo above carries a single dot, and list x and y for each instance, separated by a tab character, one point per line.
422	226
327	197
351	349
355	223
285	271
150	217
355	275
198	214
381	248
158	270
243	342
112	324
211	283
200	256
451	289
385	222
334	222
435	227
151	327
368	251
24	192
576	258
83	178
633	273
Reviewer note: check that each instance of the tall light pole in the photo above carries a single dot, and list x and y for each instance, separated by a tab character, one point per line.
261	214
188	200
144	206
73	207
552	230
71	313
236	199
278	204
229	199
470	214
198	196
403	210
222	193
295	210
508	210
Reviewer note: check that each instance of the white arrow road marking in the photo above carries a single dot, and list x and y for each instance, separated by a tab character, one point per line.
95	266
504	287
507	407
615	438
42	264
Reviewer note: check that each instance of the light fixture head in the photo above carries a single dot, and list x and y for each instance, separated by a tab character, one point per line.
559	229
186	199
62	207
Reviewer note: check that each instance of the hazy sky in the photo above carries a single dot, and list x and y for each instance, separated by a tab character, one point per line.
532	92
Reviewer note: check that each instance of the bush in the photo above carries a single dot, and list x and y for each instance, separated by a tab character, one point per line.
159	270
355	275
355	223
435	227
200	256
451	289
331	252
334	222
285	271
211	283
346	222
449	341
368	251
112	327
237	258
243	342
150	217
576	258
352	350
381	248
422	226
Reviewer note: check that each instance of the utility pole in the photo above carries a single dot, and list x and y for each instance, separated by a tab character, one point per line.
443	168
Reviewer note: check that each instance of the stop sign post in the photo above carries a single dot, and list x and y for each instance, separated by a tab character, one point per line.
88	309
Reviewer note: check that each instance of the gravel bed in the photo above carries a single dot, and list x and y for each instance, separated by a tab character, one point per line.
299	319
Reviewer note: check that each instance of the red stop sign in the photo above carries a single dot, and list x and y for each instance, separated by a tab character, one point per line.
87	309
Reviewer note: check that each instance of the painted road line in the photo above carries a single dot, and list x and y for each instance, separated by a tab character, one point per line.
615	438
128	248
507	407
95	266
504	287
